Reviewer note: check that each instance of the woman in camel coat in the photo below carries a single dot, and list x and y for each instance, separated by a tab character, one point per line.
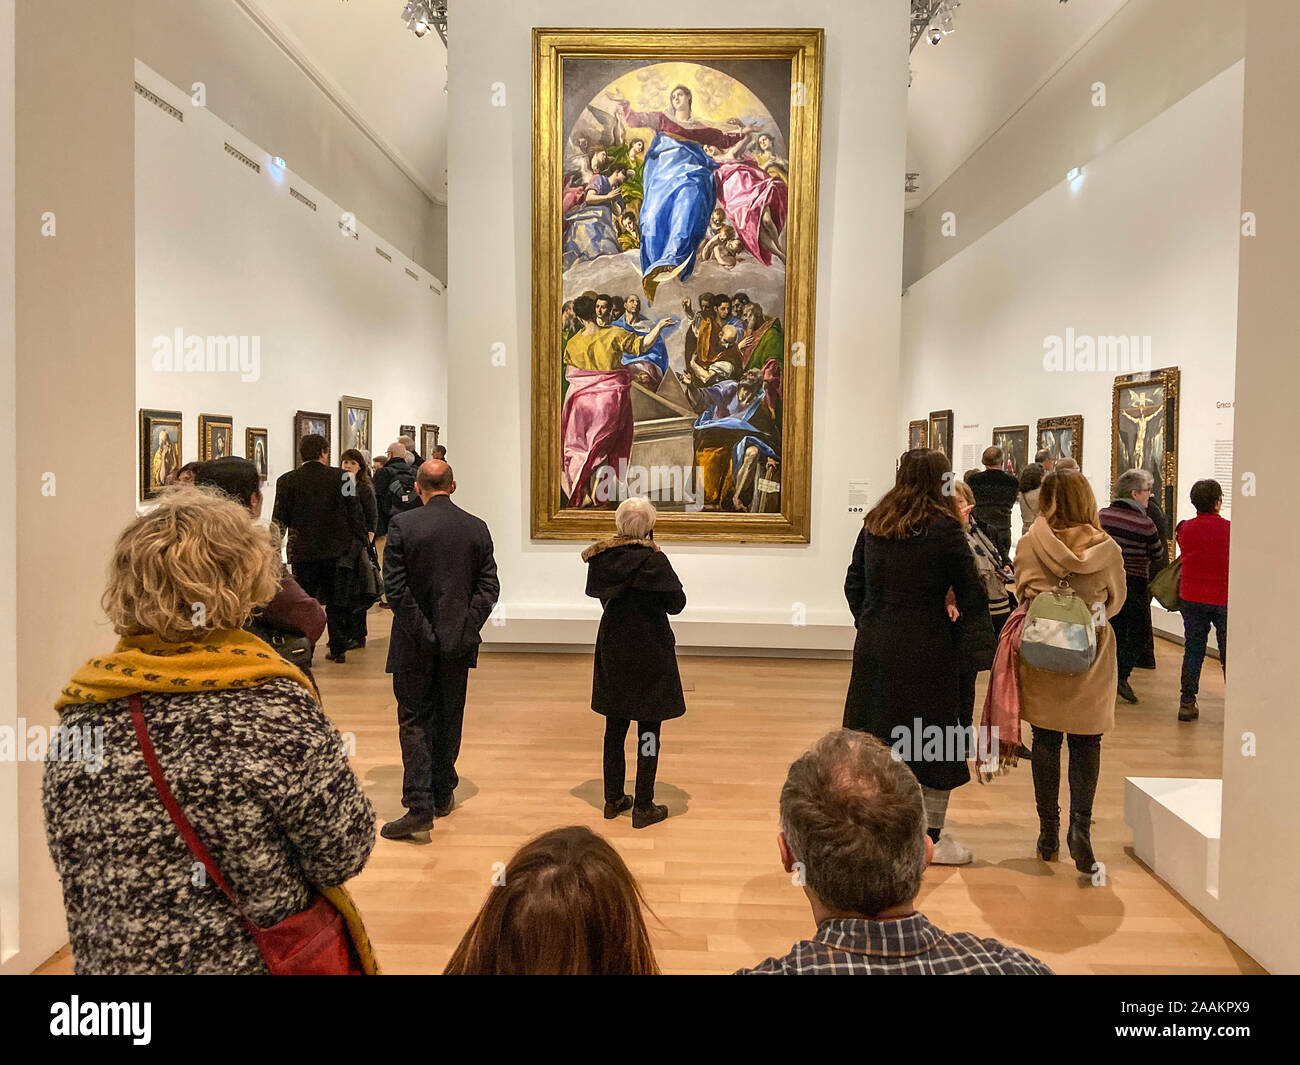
1066	540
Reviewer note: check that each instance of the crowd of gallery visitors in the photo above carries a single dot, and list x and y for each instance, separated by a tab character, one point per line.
226	756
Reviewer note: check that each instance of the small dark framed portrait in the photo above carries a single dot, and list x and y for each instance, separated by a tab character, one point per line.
428	439
160	450
406	430
917	434
255	450
309	423
1014	442
941	431
216	434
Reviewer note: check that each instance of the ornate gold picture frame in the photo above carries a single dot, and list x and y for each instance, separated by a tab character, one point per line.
1062	436
675	192
918	434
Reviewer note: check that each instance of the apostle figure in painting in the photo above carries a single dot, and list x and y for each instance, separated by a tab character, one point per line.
733	440
650	366
596	421
764	339
678	182
166	459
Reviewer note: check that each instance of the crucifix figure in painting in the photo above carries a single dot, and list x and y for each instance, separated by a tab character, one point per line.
1141	415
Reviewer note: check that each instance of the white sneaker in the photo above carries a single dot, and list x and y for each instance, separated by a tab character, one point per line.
949	852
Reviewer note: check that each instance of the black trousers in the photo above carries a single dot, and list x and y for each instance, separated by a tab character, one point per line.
430	715
1085	767
356	624
647	759
317	579
1131	625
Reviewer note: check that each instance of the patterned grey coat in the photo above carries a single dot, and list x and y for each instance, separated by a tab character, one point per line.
262	775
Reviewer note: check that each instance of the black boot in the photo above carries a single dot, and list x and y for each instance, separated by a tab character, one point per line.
1077	839
645	816
1049	837
618	806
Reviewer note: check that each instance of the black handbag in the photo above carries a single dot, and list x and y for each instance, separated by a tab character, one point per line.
293	647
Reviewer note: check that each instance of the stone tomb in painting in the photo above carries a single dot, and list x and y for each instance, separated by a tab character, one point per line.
664	442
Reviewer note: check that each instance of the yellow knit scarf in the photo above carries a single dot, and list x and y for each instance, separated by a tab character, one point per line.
224	658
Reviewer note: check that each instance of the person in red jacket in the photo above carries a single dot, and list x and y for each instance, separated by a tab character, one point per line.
1202	589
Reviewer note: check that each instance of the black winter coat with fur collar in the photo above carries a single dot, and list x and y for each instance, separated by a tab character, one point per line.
636	655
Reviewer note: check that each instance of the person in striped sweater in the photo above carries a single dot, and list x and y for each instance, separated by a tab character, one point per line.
1126	522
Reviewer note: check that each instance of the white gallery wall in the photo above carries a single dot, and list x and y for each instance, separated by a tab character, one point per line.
224	251
1144	243
739	595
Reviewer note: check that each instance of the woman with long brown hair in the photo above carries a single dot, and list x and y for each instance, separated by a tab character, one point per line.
1067	543
566	905
910	652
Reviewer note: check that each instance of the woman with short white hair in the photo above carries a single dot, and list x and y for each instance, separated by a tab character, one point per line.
1127	523
636	676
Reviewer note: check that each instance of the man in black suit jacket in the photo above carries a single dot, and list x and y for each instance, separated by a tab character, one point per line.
317	503
441	581
995	494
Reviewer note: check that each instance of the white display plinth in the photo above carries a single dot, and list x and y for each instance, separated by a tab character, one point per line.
1175	824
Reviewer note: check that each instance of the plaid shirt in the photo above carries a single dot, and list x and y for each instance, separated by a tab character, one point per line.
911	946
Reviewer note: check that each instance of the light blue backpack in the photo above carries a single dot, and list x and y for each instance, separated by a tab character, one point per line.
1059	635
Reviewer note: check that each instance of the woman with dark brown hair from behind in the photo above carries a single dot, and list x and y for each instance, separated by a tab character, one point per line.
567	905
911	651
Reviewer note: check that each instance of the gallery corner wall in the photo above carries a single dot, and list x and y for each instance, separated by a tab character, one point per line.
74	391
229	249
1144	243
1260	856
740	596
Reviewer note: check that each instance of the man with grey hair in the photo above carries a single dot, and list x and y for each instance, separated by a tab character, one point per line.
409	444
442	583
853	836
1127	523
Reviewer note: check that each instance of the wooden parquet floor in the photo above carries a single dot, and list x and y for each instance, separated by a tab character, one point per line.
530	761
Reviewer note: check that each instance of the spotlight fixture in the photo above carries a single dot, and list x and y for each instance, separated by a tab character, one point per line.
1073	173
932	19
421	16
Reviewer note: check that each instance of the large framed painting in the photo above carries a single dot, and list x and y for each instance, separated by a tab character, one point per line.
1144	433
940	431
1062	436
160	450
428	439
216	435
308	423
255	450
1014	442
355	417
675	178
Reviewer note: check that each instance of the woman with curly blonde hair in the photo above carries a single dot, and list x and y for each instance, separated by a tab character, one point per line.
243	745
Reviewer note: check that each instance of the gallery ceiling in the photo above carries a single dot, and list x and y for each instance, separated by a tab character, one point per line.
966	86
392	82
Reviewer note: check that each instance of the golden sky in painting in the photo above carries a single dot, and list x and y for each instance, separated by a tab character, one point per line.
716	97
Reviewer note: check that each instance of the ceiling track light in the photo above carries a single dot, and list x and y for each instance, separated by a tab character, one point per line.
421	16
932	19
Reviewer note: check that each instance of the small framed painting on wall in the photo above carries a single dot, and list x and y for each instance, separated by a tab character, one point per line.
255	450
309	423
215	436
